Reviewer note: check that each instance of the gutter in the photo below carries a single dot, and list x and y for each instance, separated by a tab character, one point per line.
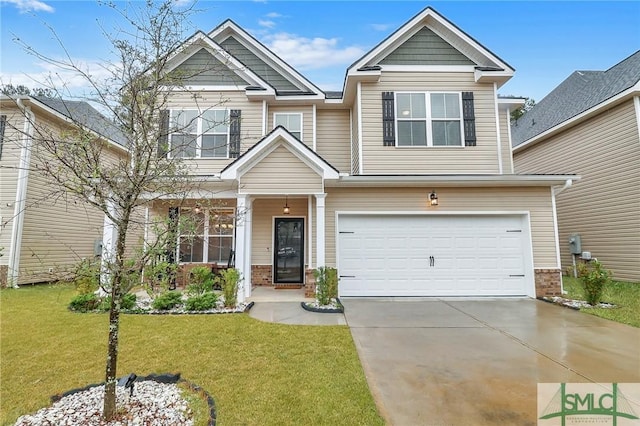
555	190
21	193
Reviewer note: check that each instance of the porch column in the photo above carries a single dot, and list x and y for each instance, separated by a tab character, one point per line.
241	209
109	241
248	229
320	230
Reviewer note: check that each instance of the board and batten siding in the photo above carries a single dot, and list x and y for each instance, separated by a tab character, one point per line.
379	159
307	120
604	205
535	200
263	212
9	166
280	172
334	137
250	125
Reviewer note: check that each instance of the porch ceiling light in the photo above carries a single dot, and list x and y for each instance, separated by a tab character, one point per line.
433	198
286	209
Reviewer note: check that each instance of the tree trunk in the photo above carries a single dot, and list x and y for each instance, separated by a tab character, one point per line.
117	271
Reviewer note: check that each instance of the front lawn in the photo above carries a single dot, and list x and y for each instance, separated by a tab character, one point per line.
258	373
624	294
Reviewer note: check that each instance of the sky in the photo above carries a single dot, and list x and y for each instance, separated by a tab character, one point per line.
545	41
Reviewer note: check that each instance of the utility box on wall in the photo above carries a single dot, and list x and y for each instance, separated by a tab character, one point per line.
575	244
97	248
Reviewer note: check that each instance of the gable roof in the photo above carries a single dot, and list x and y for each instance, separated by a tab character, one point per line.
580	92
82	113
440	27
260	55
274	138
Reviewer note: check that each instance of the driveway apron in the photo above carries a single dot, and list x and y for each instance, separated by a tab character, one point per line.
475	362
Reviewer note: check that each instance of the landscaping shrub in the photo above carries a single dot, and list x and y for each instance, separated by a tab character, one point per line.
200	281
84	302
158	277
128	302
593	277
326	284
166	301
229	280
87	277
202	302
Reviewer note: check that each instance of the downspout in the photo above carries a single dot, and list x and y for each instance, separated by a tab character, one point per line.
555	191
21	194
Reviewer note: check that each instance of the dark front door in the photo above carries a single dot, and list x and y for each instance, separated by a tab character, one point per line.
288	253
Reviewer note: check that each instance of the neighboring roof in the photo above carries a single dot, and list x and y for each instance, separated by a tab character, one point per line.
333	94
580	92
84	114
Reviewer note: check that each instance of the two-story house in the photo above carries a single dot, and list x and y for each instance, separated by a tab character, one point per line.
43	231
403	181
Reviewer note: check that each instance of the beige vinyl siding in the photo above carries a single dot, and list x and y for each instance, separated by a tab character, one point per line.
307	120
507	163
334	137
250	128
280	172
379	159
355	141
604	205
263	212
9	163
535	200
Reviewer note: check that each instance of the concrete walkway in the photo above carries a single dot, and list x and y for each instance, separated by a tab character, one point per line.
283	306
470	362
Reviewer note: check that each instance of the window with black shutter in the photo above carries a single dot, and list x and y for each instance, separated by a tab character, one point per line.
388	119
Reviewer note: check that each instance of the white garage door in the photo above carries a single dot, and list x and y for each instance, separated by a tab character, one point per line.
382	255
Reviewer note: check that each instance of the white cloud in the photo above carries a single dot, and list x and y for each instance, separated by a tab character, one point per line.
25	6
381	27
266	23
273	15
311	53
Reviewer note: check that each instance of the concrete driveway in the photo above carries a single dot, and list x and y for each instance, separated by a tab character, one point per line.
474	362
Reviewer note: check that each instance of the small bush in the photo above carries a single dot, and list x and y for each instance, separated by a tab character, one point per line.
229	280
166	301
85	303
158	277
200	281
87	277
326	284
593	277
128	302
202	302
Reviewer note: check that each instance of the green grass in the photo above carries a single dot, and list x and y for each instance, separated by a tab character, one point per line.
257	373
624	294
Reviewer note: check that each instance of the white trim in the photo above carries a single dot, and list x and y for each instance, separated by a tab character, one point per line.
242	250
212	88
473	180
351	140
498	137
314	118
429	68
310	221
524	215
265	109
320	230
555	229
359	101
636	105
21	195
248	221
578	118
508	118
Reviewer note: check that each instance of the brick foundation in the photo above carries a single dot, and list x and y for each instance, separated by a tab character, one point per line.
261	275
310	284
548	282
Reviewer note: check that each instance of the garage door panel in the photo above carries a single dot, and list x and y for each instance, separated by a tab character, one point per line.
390	255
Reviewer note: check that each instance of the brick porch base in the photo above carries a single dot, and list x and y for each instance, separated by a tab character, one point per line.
548	282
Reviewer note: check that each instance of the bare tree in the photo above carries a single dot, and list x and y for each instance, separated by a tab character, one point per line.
135	97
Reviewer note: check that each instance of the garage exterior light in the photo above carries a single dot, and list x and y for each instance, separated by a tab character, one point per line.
433	198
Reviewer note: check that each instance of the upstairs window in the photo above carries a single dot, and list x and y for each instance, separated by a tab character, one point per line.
429	119
290	121
200	134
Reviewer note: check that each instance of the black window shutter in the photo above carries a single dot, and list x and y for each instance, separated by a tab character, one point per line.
163	137
388	119
234	133
174	217
3	123
469	119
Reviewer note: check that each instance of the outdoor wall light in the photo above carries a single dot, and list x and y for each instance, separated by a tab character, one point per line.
433	198
197	209
286	209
